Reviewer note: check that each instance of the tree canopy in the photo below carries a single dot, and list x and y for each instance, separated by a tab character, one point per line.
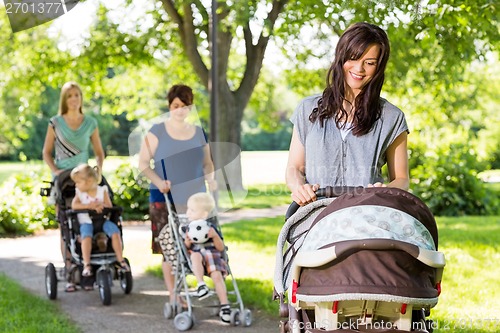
441	73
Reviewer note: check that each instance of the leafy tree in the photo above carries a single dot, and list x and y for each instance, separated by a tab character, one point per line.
436	39
30	61
432	44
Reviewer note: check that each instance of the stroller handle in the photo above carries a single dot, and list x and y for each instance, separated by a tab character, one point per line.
324	192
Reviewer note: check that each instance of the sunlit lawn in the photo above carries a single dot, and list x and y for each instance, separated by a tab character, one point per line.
471	287
8	169
256	196
21	311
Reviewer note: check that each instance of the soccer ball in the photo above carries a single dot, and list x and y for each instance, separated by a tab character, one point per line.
198	231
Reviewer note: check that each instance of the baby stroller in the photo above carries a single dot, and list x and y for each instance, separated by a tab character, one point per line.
358	260
178	256
103	259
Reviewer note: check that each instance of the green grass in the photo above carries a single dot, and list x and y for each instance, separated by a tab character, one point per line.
21	311
470	282
8	169
495	187
256	196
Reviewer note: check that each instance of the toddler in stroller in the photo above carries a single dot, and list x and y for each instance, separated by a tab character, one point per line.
198	248
93	218
205	247
366	261
89	195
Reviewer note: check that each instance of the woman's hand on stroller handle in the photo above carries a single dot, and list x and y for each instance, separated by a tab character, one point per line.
304	194
324	192
164	186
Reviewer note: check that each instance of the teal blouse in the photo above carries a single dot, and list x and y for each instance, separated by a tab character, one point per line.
72	146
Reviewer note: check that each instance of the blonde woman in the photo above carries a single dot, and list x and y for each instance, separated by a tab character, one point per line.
67	142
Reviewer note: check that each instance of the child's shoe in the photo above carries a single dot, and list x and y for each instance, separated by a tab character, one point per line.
225	313
202	291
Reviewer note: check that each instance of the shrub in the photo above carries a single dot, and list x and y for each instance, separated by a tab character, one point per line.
447	181
130	192
22	209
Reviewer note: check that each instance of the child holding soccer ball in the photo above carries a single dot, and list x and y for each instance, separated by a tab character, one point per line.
206	252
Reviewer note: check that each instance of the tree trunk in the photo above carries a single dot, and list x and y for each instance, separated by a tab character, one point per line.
231	103
226	151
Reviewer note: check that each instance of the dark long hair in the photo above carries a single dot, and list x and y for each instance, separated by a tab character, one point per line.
351	46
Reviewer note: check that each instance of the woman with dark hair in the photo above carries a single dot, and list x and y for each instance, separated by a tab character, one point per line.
182	166
344	136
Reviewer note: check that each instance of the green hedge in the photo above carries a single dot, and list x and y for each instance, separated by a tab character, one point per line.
446	179
22	209
130	192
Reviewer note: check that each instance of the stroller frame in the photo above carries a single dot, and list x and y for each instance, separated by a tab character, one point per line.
107	267
184	318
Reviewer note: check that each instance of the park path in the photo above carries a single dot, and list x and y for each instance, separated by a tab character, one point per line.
24	259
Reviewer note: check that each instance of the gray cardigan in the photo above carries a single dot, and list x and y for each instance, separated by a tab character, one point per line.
354	161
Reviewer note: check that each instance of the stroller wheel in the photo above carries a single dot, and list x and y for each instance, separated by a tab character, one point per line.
51	281
235	317
247	318
183	321
104	281
126	281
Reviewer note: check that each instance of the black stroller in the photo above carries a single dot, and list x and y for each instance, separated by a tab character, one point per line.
365	261
103	259
178	256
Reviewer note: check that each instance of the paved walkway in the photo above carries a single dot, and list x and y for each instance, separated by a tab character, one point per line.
24	259
248	214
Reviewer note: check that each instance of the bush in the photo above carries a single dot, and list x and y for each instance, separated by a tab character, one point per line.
22	209
130	192
447	181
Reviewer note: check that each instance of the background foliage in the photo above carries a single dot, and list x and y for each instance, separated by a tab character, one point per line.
444	73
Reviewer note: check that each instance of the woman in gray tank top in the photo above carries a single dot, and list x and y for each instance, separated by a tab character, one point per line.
182	165
344	136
